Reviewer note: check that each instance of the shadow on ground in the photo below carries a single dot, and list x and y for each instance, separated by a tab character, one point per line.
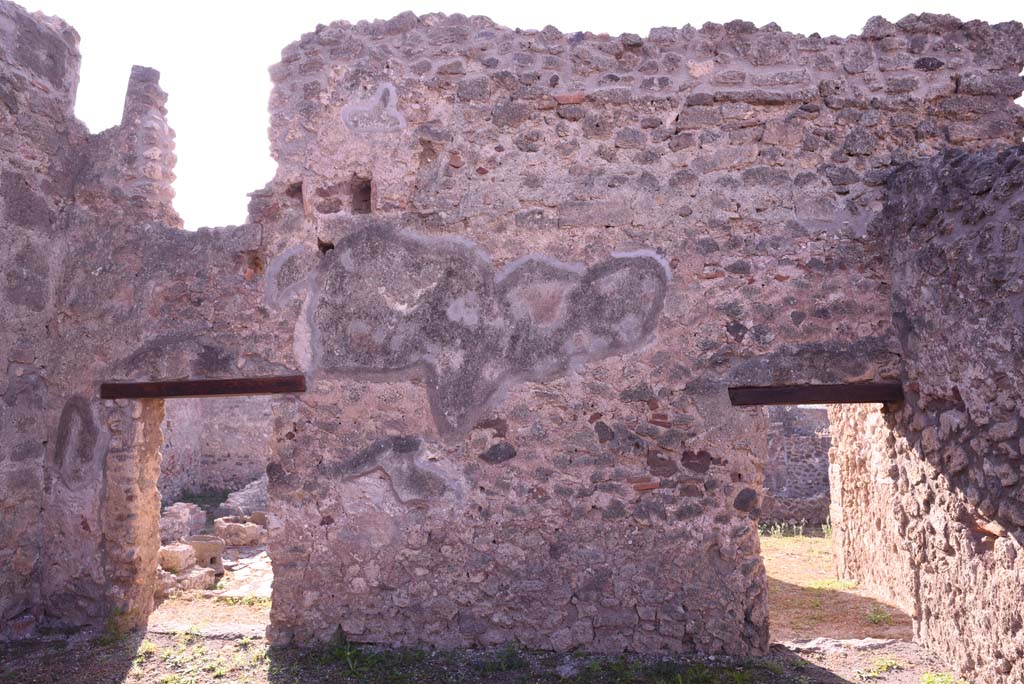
191	658
805	612
70	659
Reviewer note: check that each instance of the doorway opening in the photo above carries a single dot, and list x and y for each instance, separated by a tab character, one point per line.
213	563
807	598
809	602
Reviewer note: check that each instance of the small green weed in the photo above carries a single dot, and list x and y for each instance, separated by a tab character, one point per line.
879	668
113	631
244	600
702	674
941	678
826	529
175	678
147	649
507	660
879	616
188	636
783	529
355	659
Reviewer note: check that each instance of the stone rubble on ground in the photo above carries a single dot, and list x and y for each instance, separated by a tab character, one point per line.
209	551
195	578
246	501
237	530
177	557
181	520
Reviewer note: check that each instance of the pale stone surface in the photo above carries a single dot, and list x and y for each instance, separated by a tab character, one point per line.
239	531
197	578
249	500
181	520
191	579
177	557
209	551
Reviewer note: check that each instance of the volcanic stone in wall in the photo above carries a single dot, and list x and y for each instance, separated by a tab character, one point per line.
796	467
932	502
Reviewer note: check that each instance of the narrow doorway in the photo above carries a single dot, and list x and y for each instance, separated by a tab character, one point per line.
807	598
214	569
812	610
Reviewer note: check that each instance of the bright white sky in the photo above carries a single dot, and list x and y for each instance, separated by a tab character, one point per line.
213	57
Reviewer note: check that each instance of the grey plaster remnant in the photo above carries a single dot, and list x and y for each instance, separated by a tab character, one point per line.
27	281
287	274
377	115
397	304
397	458
77	436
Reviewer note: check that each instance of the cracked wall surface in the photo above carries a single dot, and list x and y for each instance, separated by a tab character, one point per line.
519	269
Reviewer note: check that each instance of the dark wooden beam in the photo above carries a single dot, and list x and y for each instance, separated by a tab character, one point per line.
848	393
221	387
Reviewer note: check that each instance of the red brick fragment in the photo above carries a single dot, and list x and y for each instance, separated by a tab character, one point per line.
570	98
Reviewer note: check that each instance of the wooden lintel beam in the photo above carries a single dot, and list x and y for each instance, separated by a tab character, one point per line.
847	393
220	387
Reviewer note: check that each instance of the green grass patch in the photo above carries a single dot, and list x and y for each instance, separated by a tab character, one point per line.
354	660
879	669
509	659
878	615
941	678
261	601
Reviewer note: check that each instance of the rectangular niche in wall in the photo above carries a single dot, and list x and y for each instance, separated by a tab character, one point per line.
361	188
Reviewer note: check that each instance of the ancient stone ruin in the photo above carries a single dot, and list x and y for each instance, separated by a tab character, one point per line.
518	271
796	480
214	445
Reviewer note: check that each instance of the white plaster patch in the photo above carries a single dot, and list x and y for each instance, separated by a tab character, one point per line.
400	306
465	309
646	254
302	338
378	115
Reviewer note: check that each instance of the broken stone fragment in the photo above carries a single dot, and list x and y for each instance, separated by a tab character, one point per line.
238	531
259	518
181	520
177	557
165	584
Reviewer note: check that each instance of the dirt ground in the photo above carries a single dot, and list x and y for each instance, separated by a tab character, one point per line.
826	632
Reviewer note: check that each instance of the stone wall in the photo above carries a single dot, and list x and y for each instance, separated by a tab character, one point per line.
930	494
796	465
750	160
98	283
519	270
38	161
214	445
